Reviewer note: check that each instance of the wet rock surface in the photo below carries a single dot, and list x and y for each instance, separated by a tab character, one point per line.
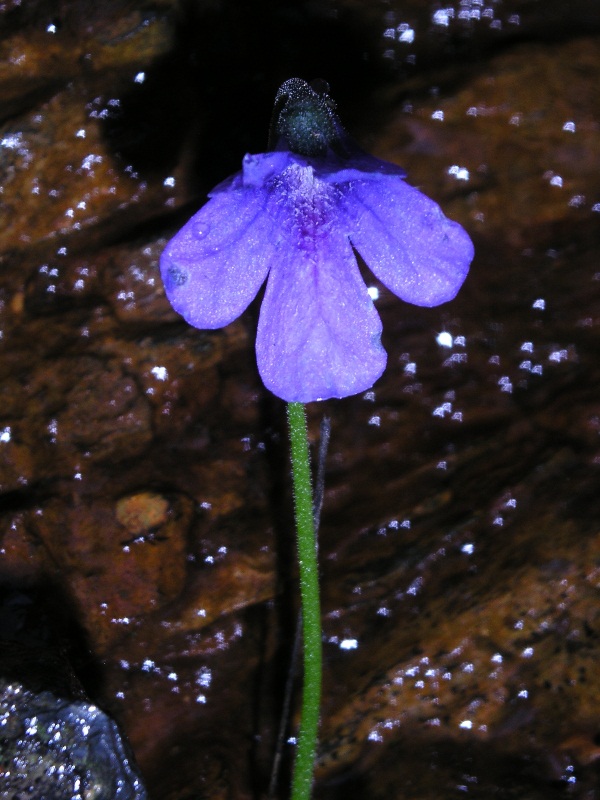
67	751
143	467
54	743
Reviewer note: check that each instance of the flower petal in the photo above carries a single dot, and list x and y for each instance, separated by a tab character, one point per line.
318	332
408	243
215	265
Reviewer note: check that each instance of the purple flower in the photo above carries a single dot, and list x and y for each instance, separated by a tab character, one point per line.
295	216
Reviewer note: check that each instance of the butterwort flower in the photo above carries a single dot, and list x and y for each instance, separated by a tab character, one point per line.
296	216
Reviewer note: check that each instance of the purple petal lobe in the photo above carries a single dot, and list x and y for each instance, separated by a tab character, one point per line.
259	170
214	266
417	252
318	331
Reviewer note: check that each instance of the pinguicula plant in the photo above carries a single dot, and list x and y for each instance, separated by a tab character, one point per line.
294	216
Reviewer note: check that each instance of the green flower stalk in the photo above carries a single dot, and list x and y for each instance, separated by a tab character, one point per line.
311	610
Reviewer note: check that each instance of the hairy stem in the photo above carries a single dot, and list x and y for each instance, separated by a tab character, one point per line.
302	778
